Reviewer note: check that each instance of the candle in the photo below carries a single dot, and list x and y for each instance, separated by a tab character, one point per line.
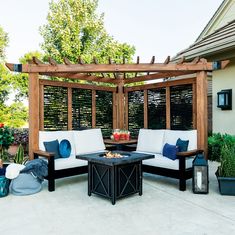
199	180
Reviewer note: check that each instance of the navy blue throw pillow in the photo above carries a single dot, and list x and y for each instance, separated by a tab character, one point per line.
2	171
52	146
65	148
182	144
170	151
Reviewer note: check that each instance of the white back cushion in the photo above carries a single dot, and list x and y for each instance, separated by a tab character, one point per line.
150	140
45	136
171	137
88	141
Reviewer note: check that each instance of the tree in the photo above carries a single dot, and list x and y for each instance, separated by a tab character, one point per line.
4	83
74	29
3	43
12	113
20	80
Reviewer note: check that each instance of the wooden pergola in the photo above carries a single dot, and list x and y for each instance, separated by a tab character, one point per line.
118	79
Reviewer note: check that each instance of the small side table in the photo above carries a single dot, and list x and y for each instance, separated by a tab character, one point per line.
119	144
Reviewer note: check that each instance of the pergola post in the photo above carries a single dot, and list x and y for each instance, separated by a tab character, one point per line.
202	116
33	112
120	104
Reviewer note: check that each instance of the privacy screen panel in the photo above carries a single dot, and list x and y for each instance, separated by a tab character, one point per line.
181	107
55	108
157	108
81	108
135	111
104	112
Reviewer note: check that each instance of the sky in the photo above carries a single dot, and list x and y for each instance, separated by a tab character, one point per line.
155	27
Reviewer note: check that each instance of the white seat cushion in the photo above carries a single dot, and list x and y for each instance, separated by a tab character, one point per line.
171	137
45	136
88	141
71	162
161	161
150	140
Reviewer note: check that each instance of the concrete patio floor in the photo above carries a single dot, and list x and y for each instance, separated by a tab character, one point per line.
162	209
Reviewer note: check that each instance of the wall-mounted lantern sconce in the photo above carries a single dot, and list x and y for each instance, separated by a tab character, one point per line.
224	99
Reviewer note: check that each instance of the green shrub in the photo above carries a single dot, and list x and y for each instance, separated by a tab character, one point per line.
227	161
215	144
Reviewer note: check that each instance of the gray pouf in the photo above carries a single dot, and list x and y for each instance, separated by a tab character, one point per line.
25	184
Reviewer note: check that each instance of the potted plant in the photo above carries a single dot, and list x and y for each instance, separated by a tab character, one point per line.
226	171
20	138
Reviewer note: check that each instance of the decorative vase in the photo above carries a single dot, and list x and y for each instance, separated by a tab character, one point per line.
4	186
13	149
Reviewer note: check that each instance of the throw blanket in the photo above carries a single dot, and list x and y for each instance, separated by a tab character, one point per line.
37	167
13	170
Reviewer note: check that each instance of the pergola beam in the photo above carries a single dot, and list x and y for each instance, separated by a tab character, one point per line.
78	76
75	85
155	76
160	84
119	68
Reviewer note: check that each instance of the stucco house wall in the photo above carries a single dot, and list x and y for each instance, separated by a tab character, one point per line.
223	120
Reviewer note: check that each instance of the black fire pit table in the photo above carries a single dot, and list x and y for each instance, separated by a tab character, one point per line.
115	178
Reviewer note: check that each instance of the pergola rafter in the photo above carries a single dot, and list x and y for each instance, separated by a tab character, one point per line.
151	62
125	79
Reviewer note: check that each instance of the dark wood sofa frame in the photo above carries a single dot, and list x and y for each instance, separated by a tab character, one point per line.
57	174
182	174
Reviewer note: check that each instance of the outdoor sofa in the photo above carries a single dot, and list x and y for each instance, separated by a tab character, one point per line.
153	141
82	142
91	141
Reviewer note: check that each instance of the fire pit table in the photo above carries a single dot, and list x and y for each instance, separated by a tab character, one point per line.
115	177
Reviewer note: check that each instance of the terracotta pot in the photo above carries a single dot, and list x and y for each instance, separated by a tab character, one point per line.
13	149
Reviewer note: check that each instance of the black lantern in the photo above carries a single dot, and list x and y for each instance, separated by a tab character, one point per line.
224	99
200	175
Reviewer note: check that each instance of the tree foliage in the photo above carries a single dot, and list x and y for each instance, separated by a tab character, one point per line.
74	29
14	115
21	80
11	84
3	43
4	82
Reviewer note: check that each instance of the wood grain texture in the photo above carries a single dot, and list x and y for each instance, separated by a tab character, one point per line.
93	109
110	68
33	112
168	108
202	120
70	113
